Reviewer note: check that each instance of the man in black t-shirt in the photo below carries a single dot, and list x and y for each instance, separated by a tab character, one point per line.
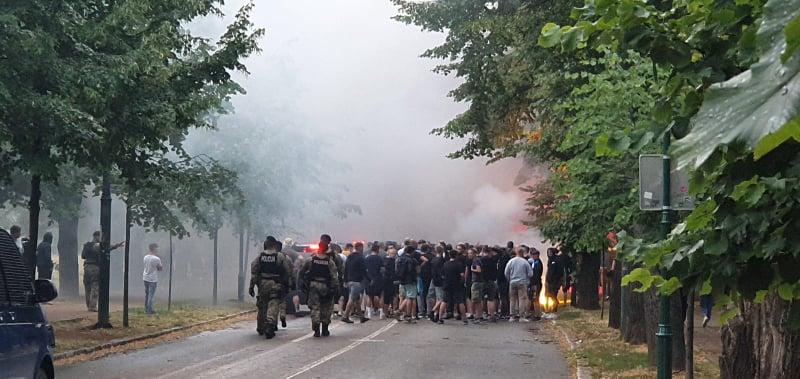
489	260
453	282
436	291
375	279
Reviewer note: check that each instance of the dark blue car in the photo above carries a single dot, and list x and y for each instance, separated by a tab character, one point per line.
26	338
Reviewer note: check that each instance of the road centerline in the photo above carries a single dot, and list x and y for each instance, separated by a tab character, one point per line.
343	350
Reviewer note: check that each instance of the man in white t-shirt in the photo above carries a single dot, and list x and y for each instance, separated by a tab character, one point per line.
152	265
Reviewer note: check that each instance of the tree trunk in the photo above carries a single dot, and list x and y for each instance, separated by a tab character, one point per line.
29	254
676	323
759	344
127	265
240	287
632	313
216	240
105	255
68	257
613	286
587	278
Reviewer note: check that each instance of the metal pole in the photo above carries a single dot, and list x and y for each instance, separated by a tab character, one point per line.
664	333
169	286
105	255
126	273
690	336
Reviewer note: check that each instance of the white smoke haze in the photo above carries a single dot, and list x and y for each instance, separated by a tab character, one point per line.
356	78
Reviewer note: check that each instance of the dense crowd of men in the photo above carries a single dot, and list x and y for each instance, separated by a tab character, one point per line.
410	281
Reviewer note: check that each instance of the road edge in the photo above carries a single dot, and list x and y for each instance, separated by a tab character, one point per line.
125	341
582	370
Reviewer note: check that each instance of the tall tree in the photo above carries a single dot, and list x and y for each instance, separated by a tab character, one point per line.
733	74
42	124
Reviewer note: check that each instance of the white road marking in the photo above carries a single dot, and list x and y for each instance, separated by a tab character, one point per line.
345	349
366	340
227	356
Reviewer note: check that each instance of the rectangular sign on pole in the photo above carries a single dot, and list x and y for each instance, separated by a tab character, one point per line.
651	184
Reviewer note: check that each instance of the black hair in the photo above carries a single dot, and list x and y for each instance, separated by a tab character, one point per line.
510	245
152	246
96	233
15	229
325	238
47	237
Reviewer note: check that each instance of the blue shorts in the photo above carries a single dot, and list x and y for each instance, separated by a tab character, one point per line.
410	290
356	289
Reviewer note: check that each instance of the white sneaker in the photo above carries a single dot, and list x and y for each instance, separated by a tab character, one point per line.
369	313
380	312
525	319
511	319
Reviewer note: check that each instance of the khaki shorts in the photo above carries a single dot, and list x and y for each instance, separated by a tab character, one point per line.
483	290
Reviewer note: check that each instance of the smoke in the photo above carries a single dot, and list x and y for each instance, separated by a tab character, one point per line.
354	78
493	218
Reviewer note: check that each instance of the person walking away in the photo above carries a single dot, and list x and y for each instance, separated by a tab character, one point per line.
91	254
490	275
504	255
391	282
321	277
335	252
518	272
536	282
287	290
478	287
355	271
453	281
152	265
424	281
406	269
375	278
44	258
553	279
436	291
271	272
706	305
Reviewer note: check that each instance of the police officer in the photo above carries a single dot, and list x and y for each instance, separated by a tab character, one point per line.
91	255
321	277
271	271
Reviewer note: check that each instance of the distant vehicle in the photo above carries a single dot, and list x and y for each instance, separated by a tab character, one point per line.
26	338
308	248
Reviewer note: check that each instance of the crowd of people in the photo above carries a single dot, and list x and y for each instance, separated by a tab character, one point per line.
411	281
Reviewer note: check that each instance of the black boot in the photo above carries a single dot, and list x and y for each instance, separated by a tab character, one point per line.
270	332
283	322
315	328
325	331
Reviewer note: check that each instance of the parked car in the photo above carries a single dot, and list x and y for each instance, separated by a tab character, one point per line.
26	338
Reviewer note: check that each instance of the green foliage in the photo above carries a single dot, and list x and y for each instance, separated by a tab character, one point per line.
754	103
594	190
731	75
510	85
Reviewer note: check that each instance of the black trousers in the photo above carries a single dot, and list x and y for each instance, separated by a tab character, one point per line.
502	287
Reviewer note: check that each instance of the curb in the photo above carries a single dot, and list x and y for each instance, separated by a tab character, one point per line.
125	341
582	370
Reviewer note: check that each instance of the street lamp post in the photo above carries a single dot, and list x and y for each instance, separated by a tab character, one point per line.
664	333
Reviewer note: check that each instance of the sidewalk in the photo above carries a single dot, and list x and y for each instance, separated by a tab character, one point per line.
72	309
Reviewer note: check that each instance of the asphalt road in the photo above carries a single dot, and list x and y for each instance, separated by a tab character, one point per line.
376	349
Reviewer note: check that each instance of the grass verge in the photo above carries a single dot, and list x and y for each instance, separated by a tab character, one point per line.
607	356
71	335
